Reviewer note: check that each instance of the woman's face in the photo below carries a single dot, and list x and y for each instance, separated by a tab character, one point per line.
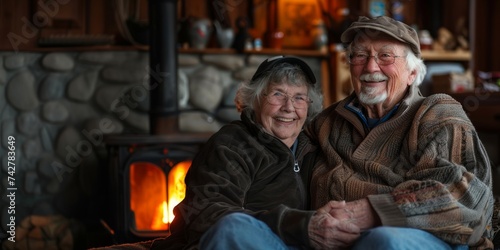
283	121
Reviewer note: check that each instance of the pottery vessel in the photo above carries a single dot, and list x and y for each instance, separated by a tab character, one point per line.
225	36
199	33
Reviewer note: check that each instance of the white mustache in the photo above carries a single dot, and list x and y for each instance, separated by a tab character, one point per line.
375	77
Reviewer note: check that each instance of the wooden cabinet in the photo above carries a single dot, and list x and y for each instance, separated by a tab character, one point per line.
482	108
24	23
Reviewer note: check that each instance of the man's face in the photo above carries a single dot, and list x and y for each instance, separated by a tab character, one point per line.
379	84
283	121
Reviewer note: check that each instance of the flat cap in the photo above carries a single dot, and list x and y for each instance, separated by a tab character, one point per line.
272	62
371	27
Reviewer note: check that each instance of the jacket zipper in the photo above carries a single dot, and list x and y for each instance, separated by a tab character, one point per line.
296	166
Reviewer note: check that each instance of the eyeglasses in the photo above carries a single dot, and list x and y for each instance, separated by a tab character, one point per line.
360	58
280	98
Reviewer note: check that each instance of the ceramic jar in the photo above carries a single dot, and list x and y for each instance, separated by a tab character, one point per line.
199	33
225	36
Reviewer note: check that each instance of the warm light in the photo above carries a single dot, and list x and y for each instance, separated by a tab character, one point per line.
176	186
164	218
159	222
148	193
147	190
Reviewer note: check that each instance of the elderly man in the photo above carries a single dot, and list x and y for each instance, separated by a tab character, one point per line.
412	169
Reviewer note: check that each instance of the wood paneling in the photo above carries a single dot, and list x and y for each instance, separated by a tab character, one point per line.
20	29
486	29
193	8
60	19
16	28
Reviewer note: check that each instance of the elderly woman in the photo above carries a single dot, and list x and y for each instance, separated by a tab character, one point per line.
248	184
412	169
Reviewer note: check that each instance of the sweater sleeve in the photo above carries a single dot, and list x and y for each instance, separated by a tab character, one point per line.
448	189
289	224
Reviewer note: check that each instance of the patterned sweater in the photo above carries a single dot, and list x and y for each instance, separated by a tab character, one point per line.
424	168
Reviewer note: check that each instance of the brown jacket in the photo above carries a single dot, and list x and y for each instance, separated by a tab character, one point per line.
244	169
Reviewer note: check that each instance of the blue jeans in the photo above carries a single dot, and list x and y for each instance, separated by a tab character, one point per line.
241	231
402	238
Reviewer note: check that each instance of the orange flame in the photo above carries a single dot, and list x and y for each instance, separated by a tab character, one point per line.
148	192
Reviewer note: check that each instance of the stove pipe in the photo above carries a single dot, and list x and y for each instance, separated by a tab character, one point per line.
164	110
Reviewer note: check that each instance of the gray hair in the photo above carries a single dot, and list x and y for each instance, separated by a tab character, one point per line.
250	93
415	63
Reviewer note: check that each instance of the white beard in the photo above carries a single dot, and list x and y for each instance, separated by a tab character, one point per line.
368	96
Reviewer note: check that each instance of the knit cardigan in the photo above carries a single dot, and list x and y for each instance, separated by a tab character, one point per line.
424	168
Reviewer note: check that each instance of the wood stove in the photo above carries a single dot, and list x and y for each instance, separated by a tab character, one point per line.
147	171
146	182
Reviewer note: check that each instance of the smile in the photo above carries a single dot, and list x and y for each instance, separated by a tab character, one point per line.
364	81
284	119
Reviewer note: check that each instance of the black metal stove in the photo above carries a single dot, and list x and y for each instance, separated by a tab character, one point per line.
146	182
143	168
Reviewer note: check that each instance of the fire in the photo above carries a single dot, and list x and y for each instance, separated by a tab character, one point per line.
153	208
176	187
159	222
165	213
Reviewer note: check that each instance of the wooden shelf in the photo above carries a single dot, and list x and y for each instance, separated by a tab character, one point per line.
427	55
459	55
88	48
295	52
263	51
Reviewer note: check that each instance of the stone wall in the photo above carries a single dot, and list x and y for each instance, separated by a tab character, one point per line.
58	105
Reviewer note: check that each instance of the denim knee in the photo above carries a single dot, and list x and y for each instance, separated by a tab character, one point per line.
240	231
401	238
232	221
380	234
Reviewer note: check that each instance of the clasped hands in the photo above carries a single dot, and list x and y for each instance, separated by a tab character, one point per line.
338	224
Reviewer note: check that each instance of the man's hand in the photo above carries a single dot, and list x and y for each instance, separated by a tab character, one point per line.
327	232
359	212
